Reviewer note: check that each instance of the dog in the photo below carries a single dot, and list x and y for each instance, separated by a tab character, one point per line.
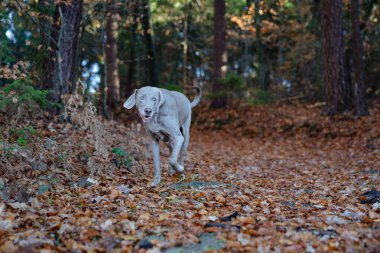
167	117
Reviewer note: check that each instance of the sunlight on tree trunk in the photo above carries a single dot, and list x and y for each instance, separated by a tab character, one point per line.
113	82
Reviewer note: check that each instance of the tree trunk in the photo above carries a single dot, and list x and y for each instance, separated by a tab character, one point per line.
63	62
333	55
361	107
132	49
263	69
50	34
316	12
112	78
348	94
151	51
220	54
185	46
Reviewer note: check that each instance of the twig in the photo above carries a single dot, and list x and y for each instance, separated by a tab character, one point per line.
59	51
103	92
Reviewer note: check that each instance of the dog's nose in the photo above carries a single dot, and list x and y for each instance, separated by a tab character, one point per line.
148	111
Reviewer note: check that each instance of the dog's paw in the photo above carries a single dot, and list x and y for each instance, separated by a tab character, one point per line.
180	168
171	171
155	182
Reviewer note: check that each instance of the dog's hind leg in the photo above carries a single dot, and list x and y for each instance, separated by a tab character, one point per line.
186	138
171	170
177	139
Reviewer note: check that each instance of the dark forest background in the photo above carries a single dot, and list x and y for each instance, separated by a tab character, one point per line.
254	51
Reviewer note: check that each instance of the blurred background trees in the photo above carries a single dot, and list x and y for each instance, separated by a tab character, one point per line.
252	50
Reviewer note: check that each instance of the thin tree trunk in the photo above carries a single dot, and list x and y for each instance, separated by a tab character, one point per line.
316	11
361	107
185	47
103	84
263	69
112	77
348	87
333	55
65	71
50	33
132	49
220	54
151	51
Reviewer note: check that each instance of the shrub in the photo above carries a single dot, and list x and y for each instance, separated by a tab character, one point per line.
21	93
233	86
261	97
232	82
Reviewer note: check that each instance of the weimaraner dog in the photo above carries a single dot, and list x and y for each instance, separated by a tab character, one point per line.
167	117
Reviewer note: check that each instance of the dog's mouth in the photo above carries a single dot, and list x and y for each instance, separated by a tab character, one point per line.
145	118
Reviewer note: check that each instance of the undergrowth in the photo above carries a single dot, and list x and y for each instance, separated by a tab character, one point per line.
78	143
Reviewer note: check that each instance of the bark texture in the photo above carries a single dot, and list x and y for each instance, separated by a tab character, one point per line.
361	107
149	42
263	68
220	54
63	60
132	50
113	81
333	56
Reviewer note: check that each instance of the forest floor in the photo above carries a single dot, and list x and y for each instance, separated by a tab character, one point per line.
277	178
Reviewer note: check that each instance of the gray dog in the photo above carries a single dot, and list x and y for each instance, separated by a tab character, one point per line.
167	117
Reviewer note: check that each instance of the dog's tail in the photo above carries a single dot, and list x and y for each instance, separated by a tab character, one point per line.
197	98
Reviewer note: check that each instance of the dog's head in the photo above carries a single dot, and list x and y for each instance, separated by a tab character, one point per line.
147	100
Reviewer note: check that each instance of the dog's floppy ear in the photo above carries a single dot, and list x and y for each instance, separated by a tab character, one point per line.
161	98
131	100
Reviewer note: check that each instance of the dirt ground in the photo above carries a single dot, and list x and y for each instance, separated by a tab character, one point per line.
258	179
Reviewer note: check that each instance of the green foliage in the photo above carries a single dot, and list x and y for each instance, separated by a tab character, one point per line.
261	97
5	53
233	82
22	93
233	87
173	87
23	135
219	94
288	5
121	158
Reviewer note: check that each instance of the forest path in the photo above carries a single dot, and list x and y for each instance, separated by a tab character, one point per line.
280	184
293	194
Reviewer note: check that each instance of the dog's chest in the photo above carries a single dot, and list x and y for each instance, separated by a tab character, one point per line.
154	127
157	132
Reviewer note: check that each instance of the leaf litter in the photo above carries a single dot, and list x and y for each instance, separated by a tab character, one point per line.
274	178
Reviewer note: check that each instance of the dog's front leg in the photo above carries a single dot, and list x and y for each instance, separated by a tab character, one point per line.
156	161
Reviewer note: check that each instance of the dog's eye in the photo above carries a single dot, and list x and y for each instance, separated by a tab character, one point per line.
154	99
141	97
